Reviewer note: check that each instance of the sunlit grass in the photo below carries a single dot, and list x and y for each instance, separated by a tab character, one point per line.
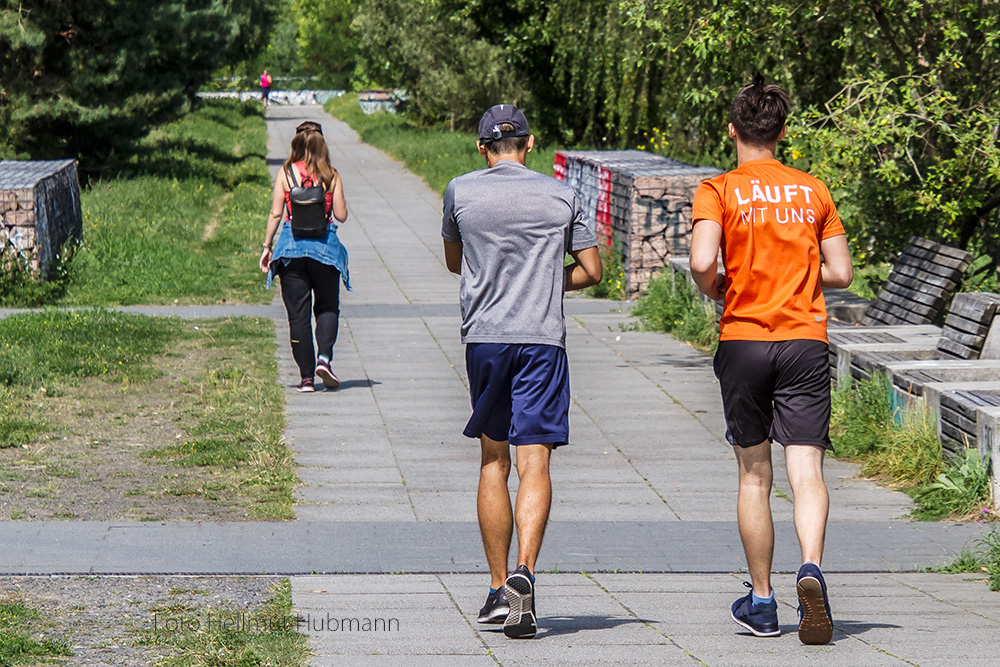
434	154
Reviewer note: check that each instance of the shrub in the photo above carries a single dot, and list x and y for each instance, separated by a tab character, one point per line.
671	305
433	153
902	448
991	543
612	285
959	490
19	286
899	446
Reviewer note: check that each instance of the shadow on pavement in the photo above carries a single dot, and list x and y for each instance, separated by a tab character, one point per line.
351	384
841	629
858	627
567	625
704	362
347	384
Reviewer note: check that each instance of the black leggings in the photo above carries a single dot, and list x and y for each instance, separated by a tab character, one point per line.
301	279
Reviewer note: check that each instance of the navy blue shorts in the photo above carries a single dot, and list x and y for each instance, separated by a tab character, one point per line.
519	393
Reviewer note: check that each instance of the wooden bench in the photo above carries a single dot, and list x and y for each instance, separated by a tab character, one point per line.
920	285
857	352
958	423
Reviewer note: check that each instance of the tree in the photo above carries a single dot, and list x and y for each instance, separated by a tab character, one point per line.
433	52
326	40
85	78
896	102
912	139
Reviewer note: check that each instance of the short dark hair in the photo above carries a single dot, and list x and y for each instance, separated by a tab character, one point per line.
759	112
507	144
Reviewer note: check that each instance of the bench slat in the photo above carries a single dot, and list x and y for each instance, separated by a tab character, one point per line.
968	340
959	323
939	282
959	421
932	299
950	348
975	306
937	247
937	257
929	267
959	436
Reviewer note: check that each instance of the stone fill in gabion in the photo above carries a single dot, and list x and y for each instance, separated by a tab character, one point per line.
39	210
639	202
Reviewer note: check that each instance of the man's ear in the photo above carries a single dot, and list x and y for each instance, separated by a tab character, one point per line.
531	142
781	135
732	131
481	147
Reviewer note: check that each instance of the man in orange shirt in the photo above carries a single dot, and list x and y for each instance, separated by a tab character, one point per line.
782	242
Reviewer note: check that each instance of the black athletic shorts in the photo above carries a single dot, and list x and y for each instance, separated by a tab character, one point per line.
775	390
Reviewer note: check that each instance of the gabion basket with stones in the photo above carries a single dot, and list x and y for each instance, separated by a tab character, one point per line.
39	210
639	203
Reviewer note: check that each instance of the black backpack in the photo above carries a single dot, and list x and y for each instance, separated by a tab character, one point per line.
307	205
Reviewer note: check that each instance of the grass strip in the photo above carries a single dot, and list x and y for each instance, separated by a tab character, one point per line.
433	153
984	560
179	221
22	639
235	424
671	305
901	447
42	352
226	637
92	399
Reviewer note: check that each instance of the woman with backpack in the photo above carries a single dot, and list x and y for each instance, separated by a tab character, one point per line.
308	256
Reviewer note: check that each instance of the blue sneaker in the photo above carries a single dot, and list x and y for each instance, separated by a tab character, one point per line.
760	619
815	619
496	609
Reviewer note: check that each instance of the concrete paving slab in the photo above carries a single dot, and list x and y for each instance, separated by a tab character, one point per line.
647	486
655	619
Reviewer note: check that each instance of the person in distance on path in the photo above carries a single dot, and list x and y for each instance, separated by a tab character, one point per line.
782	241
506	231
265	88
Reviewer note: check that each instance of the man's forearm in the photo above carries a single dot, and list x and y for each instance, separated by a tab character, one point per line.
578	278
704	280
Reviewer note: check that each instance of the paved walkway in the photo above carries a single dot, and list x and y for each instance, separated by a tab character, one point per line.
639	560
648	486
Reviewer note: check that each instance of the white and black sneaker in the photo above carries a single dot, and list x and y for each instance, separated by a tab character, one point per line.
520	591
496	608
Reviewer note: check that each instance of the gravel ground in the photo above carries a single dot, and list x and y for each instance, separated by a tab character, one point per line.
101	618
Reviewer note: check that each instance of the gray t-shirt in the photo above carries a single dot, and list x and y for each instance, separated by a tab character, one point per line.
515	226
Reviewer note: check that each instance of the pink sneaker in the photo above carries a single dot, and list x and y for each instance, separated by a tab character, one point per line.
324	373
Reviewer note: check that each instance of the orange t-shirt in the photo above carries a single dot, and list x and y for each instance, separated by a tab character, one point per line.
773	218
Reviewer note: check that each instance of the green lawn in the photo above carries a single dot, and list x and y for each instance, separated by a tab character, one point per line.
22	640
70	380
180	220
41	352
432	153
225	637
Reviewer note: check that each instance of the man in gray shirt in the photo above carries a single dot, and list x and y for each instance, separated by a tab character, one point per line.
506	231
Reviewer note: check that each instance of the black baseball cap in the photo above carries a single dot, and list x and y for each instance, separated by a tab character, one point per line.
495	116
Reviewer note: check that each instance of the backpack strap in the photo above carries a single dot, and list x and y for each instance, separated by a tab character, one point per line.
303	174
294	183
